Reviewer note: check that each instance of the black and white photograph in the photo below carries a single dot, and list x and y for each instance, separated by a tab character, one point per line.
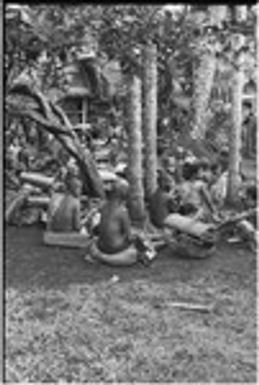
130	192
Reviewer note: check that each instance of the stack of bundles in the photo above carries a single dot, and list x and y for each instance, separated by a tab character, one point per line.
71	239
190	247
244	224
192	239
40	183
109	177
37	179
38	201
27	204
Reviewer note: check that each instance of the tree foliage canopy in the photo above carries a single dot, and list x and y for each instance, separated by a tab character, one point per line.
43	38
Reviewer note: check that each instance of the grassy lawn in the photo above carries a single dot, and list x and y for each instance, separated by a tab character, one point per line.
67	321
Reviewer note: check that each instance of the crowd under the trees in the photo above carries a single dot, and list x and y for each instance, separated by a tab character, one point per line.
77	182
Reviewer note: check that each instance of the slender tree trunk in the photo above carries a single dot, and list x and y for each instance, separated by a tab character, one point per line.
150	118
257	87
134	120
235	134
203	82
204	77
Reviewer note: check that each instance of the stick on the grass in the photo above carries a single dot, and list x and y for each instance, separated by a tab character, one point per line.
191	306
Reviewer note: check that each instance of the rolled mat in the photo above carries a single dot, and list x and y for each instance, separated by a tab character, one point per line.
15	205
72	239
38	201
187	247
37	179
188	225
124	258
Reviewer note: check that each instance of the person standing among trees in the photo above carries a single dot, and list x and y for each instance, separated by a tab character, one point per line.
218	187
249	129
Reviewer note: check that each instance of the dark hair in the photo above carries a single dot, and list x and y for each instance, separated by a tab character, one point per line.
214	167
223	161
204	164
223	158
247	104
224	151
187	209
161	150
163	182
118	191
190	170
251	192
69	180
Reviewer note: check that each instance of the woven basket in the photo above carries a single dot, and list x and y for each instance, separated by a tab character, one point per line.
187	247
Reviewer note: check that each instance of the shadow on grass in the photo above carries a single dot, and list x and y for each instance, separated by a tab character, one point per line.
29	263
65	323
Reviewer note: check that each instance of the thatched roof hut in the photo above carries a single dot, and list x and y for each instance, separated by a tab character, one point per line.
86	84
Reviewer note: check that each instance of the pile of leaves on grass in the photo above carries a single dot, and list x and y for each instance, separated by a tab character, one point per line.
127	332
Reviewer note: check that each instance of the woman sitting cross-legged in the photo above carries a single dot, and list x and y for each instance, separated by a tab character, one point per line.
64	209
195	199
114	244
186	221
63	217
162	202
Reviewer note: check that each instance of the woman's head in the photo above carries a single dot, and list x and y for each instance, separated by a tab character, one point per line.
204	170
73	185
216	170
224	158
118	192
163	182
251	195
190	170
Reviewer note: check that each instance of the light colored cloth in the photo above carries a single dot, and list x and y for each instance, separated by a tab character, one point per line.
126	257
219	189
190	193
68	239
188	225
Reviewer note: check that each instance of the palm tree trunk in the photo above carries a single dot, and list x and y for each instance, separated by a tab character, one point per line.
150	118
134	121
235	134
204	77
203	82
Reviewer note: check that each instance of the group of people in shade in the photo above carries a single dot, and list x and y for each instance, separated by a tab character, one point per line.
198	193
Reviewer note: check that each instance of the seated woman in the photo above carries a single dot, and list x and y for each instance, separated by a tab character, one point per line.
114	244
195	209
63	217
161	203
218	188
195	198
64	209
